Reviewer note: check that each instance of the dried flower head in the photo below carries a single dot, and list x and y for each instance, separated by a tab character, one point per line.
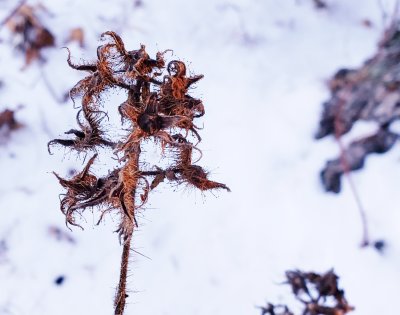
158	108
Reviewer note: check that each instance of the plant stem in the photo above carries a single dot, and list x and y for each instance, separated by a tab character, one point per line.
121	296
128	223
346	167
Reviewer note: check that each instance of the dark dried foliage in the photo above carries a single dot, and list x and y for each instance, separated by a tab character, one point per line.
370	93
319	294
158	108
34	36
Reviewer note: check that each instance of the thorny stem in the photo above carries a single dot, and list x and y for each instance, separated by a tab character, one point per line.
346	167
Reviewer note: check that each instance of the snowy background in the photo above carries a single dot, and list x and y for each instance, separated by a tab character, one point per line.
266	64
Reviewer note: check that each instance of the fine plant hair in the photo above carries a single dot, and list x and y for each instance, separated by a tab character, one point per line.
158	109
319	294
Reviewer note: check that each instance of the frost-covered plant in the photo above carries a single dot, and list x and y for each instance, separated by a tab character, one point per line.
158	109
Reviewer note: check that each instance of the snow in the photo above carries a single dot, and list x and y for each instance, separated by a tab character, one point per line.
265	65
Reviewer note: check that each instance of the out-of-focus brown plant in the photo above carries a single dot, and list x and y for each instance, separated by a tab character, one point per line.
369	93
320	4
8	123
76	35
319	294
158	109
34	36
7	120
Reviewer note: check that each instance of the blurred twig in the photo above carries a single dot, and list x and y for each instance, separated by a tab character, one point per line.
12	13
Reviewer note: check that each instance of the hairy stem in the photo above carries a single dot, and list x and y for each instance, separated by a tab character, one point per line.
121	296
128	224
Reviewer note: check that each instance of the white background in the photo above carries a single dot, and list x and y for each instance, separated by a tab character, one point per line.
265	63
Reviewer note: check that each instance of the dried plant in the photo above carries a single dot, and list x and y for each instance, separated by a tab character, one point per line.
7	120
370	93
76	35
8	123
319	294
159	109
33	35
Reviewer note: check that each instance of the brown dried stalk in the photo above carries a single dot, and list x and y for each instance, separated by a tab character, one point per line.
7	120
158	109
